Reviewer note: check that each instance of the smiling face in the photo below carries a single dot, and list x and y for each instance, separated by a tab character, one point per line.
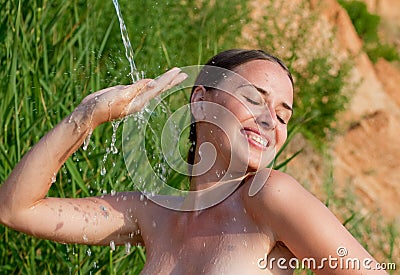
275	93
251	122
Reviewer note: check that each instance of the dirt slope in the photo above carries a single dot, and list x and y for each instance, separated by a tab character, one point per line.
366	156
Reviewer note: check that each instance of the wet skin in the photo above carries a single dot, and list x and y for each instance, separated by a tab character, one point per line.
227	238
224	239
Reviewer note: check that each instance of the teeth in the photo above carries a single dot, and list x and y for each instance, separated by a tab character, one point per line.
260	140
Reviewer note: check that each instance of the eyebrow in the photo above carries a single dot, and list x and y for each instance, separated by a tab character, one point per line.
265	92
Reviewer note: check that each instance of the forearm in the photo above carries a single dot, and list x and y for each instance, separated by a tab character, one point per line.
31	179
22	203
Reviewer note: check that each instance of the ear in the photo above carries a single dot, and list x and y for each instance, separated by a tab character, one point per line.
196	101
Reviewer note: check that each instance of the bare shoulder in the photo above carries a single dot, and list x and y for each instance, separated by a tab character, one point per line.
278	189
302	222
281	199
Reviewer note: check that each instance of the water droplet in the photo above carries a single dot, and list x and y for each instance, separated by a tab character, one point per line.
128	248
104	209
115	125
113	192
87	141
103	171
89	252
154	224
53	178
112	245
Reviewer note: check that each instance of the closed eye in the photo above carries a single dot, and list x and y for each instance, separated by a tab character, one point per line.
283	116
251	101
281	120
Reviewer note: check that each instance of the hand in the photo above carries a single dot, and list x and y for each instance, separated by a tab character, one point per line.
119	101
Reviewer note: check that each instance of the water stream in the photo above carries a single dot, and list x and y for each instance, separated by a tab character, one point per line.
134	73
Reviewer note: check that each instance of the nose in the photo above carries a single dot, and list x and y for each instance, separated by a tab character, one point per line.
266	121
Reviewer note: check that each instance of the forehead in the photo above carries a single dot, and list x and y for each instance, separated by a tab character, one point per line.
269	76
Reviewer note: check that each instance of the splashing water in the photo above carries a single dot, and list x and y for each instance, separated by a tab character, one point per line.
135	75
112	245
87	141
115	125
112	149
127	248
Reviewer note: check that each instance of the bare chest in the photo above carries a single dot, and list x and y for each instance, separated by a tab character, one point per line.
222	245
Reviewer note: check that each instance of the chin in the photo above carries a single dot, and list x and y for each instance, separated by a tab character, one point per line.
260	161
255	167
251	164
244	160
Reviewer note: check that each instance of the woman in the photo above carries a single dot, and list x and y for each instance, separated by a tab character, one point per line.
242	234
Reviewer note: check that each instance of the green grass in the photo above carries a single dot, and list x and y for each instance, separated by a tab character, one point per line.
366	25
54	53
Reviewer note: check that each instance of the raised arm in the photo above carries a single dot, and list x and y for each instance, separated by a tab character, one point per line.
23	202
310	230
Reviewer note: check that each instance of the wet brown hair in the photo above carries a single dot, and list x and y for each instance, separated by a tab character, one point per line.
227	60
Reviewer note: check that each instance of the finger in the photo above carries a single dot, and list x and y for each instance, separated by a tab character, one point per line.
135	89
164	84
154	88
178	79
142	99
163	80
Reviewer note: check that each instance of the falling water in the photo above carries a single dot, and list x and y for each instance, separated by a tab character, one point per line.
135	75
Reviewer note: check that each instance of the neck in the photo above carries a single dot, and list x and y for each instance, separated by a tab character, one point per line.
207	194
213	179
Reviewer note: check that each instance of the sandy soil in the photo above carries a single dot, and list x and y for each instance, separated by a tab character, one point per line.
365	157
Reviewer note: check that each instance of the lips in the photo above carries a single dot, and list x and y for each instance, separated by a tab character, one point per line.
256	138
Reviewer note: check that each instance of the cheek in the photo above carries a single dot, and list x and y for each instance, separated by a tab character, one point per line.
240	111
281	136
